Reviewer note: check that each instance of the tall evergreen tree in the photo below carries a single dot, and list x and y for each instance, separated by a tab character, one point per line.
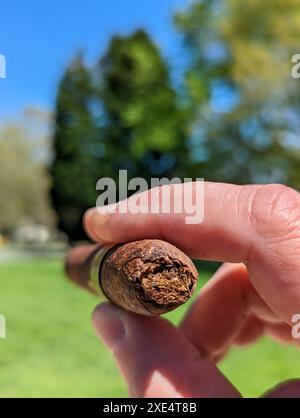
76	149
145	129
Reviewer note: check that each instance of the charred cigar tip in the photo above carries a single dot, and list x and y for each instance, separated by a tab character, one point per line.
149	277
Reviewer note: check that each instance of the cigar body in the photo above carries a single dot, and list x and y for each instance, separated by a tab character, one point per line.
149	277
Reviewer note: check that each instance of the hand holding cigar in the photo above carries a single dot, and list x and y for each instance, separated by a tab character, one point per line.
237	306
148	277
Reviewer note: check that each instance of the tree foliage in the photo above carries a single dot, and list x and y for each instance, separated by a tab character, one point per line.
121	114
24	181
239	84
76	146
144	127
235	119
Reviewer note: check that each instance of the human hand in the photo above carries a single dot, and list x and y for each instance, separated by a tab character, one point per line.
258	226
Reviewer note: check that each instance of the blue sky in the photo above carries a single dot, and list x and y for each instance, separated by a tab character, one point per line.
38	38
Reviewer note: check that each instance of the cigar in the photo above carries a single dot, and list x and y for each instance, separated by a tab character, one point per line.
148	277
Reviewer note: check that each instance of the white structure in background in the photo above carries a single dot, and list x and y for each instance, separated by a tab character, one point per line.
2	326
32	233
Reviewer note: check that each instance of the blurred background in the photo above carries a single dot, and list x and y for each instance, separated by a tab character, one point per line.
163	89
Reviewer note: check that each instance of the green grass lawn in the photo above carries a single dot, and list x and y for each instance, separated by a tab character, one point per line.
51	349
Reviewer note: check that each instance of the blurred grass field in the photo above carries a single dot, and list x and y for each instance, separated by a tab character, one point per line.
51	350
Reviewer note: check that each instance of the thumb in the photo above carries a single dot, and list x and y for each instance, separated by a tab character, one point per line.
155	358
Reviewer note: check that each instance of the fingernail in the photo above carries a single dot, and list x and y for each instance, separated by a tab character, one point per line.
109	324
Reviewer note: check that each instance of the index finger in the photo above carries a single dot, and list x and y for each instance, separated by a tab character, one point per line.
254	224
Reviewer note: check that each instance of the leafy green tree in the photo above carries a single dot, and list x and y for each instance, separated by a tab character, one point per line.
24	181
239	85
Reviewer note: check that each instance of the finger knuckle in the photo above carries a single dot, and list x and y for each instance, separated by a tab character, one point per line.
275	212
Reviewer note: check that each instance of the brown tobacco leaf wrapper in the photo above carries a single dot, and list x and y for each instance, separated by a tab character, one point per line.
149	277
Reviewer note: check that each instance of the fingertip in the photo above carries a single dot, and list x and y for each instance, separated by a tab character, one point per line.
102	308
100	226
88	223
108	323
95	224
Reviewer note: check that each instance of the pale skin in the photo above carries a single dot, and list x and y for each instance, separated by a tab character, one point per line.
255	231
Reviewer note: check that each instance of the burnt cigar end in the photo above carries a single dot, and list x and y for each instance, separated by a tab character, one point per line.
149	277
